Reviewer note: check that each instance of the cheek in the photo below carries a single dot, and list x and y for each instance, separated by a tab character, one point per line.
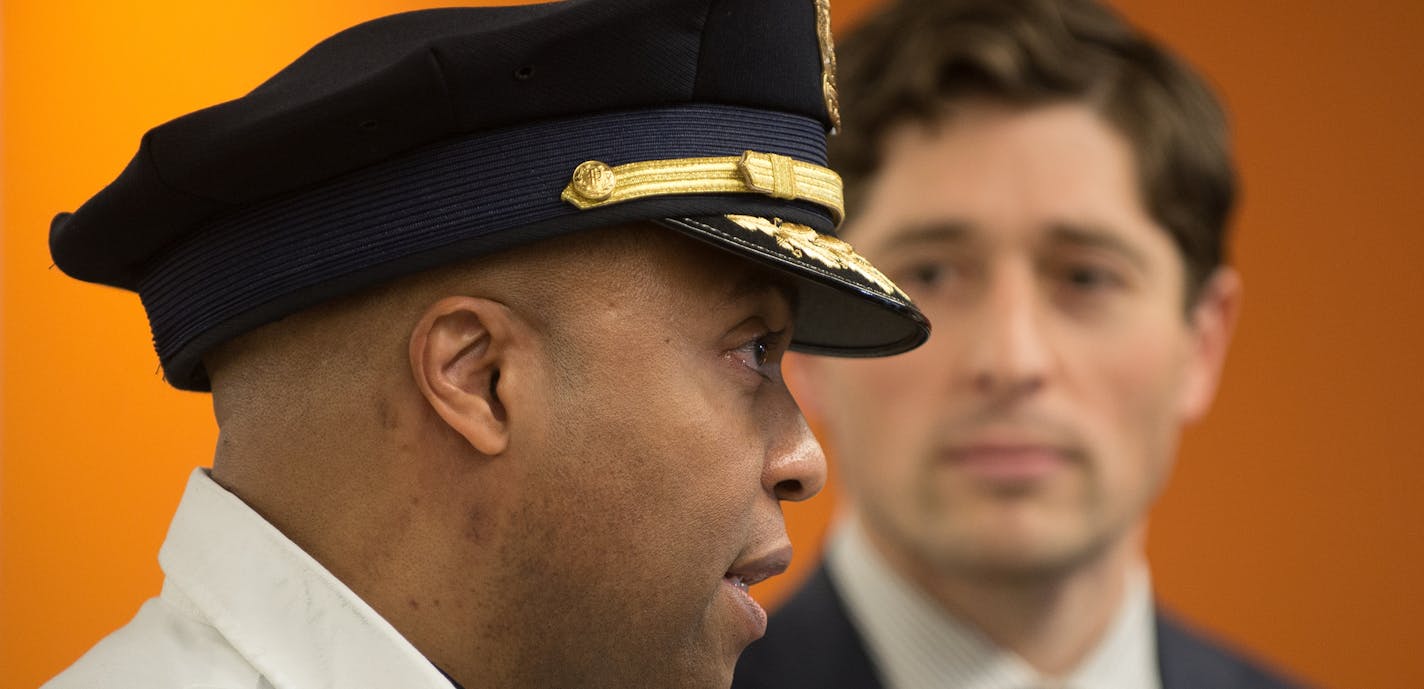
880	415
1136	381
672	464
651	504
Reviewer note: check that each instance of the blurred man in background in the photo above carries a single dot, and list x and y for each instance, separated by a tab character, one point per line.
1052	188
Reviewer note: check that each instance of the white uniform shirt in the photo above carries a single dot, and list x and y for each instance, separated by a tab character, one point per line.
243	607
916	644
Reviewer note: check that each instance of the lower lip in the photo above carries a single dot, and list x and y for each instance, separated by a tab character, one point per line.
752	611
1009	464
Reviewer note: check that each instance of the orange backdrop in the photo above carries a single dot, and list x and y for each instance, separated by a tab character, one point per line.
1291	524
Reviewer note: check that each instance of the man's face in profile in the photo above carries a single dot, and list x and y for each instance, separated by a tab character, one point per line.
1040	420
670	438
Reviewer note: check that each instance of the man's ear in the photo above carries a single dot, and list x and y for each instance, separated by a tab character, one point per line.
457	350
1211	324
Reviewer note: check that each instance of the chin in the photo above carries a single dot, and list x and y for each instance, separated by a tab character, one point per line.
714	674
1010	551
724	679
1042	556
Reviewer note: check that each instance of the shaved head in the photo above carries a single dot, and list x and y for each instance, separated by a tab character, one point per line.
320	415
337	354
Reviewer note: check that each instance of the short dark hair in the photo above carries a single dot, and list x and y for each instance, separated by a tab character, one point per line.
906	62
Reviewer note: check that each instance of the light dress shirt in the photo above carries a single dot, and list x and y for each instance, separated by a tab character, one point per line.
244	607
916	644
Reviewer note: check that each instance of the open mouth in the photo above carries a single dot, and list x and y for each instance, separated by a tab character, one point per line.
752	570
743	582
749	571
753	616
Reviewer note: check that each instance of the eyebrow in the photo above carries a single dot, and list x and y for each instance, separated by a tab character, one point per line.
910	236
1097	237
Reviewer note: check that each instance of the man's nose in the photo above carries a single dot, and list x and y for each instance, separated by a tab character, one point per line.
795	468
1009	354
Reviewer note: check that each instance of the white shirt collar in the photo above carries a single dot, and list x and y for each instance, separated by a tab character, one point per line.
294	621
916	644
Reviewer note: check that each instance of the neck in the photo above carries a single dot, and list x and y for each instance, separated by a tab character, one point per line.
390	516
1052	620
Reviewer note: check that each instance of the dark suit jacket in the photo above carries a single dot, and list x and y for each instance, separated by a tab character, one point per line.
812	644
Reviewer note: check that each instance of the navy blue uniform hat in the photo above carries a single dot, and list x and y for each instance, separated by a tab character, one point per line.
428	137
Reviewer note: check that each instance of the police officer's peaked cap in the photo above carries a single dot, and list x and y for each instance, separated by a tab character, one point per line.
428	137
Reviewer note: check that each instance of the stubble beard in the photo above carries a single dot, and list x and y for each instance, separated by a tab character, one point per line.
969	537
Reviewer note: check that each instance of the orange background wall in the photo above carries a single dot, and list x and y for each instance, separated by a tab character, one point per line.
1292	523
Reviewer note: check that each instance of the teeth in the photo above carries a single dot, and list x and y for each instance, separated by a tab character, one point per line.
739	582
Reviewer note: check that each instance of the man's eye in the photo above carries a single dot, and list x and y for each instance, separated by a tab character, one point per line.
929	274
758	352
1087	278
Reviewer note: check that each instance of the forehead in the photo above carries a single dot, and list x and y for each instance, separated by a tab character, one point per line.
1005	172
659	272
